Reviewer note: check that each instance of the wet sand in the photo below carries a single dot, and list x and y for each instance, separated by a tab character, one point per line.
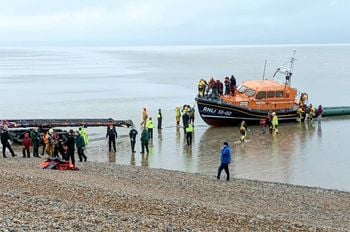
110	197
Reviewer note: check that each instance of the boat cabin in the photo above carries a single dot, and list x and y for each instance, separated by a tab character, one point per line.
263	95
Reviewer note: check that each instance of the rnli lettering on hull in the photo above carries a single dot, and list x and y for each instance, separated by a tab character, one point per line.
216	111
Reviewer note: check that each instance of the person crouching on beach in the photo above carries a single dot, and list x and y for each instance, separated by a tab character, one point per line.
225	161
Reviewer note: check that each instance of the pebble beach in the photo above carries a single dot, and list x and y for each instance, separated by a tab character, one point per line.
110	197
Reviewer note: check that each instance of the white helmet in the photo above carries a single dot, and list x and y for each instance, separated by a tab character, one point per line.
51	131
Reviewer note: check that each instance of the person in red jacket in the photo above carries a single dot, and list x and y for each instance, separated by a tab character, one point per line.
27	143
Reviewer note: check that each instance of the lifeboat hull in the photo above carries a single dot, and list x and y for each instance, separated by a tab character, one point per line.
219	113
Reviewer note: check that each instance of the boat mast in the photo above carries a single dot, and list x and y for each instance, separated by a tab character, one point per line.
289	72
264	70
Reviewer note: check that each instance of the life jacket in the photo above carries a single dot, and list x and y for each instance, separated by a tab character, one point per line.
189	128
242	129
275	120
83	133
57	164
150	124
300	111
177	112
144	115
46	138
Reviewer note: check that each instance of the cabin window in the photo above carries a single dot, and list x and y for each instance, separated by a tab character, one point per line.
270	94
261	95
242	88
279	93
250	92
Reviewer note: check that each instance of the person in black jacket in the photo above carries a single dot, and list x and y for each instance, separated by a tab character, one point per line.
233	84
112	135
132	134
70	143
5	137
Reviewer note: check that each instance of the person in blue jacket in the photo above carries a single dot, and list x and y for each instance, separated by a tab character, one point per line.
225	161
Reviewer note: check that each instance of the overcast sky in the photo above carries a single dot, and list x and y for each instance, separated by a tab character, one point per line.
167	22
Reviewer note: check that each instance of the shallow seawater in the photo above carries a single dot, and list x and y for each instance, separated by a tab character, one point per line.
118	82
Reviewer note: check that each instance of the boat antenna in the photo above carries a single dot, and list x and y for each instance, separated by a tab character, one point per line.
287	72
264	70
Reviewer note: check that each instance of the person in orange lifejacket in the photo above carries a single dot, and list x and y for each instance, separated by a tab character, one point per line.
144	117
49	142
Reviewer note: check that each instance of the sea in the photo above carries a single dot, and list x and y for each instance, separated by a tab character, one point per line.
118	82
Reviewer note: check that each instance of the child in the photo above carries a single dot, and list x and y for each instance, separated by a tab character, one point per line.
262	125
27	143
